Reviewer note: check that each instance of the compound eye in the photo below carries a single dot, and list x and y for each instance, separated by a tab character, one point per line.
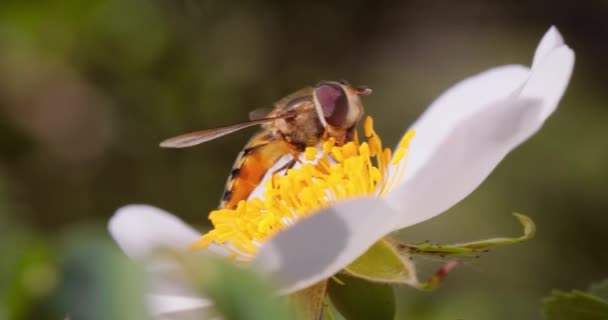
333	102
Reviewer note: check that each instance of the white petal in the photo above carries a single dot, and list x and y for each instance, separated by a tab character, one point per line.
461	156
550	41
139	229
465	157
320	246
163	304
549	79
457	104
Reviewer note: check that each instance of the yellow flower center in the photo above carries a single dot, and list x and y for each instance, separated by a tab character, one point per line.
328	175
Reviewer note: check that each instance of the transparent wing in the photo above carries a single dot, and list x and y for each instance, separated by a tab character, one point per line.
260	113
198	137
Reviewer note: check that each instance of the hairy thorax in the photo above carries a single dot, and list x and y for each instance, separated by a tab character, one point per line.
303	130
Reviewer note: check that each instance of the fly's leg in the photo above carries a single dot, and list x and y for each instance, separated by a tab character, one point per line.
288	165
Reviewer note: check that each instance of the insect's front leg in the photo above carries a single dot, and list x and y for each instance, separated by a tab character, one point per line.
288	165
295	158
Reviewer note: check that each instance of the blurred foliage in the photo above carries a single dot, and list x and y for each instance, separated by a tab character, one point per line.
28	276
599	289
89	88
577	305
356	298
237	292
98	282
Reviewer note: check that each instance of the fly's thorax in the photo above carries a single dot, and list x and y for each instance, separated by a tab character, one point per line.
303	130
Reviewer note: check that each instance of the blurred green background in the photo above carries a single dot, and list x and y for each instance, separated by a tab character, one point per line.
89	88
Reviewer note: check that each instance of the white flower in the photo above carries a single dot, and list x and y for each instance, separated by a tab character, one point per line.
458	141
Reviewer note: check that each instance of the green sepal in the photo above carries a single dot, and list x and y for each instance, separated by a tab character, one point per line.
357	298
382	263
575	305
466	249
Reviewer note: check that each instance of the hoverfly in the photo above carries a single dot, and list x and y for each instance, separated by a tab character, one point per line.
302	119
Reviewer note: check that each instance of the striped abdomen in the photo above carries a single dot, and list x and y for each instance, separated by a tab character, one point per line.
258	156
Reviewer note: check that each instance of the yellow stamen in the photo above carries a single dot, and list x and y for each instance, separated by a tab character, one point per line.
340	172
310	154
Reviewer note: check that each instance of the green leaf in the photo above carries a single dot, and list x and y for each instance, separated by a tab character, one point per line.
599	289
99	282
356	298
237	292
465	249
384	264
576	305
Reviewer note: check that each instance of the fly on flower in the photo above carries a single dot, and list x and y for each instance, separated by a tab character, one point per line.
331	217
305	118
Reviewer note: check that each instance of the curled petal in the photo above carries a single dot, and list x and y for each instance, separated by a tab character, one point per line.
454	152
465	158
550	41
321	245
549	79
455	106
